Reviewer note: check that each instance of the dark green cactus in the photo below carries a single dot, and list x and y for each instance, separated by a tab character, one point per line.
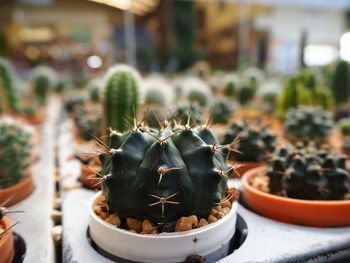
182	111
341	82
15	151
121	98
198	96
344	126
309	173
246	94
94	90
42	88
9	98
255	144
74	100
222	111
307	123
163	175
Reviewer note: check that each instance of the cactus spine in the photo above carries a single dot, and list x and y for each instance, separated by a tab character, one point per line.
9	99
121	96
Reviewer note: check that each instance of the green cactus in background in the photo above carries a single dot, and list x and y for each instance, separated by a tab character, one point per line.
14	154
121	98
9	98
183	111
154	96
309	173
344	126
88	120
94	89
341	82
222	111
198	96
245	94
74	100
163	175
44	81
307	123
254	144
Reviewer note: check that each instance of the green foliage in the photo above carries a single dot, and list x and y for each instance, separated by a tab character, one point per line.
341	82
344	125
309	173
15	151
222	111
307	123
121	98
255	144
150	177
9	98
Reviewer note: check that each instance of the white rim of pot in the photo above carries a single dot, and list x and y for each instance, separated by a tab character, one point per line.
163	237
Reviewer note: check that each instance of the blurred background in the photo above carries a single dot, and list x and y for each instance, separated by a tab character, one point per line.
88	36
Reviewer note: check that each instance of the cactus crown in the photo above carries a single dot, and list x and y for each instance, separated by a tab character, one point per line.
44	79
121	96
9	98
15	150
163	174
306	123
309	173
255	144
222	111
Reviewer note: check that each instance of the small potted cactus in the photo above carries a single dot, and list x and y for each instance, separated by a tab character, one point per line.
253	145
222	111
308	123
302	185
16	182
164	195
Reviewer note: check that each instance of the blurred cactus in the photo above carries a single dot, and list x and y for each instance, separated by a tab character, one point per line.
344	126
88	120
94	88
44	80
14	154
197	91
231	85
341	82
157	92
222	111
9	98
121	98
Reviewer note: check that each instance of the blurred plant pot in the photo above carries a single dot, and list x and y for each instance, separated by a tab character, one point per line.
16	193
7	250
36	119
212	240
294	211
87	178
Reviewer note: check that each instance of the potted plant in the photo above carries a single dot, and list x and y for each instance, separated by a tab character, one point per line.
253	145
16	181
157	181
306	186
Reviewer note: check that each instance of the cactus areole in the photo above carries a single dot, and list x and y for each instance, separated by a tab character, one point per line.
164	174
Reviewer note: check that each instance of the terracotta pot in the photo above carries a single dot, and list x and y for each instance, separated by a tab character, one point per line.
16	193
295	211
86	178
7	250
37	119
245	166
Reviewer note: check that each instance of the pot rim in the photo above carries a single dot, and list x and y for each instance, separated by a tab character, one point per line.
165	236
249	175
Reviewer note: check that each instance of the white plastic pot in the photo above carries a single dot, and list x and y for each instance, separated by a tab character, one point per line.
211	240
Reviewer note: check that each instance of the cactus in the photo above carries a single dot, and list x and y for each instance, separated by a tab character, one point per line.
9	98
14	154
164	174
307	123
245	94
182	112
44	80
197	91
231	85
121	98
222	111
255	144
157	92
344	126
341	82
73	101
309	173
94	88
88	120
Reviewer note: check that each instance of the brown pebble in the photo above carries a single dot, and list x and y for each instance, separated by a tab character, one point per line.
183	224
154	231
97	209
212	219
220	215
226	210
101	199
194	221
114	220
226	203
104	215
147	226
202	222
134	224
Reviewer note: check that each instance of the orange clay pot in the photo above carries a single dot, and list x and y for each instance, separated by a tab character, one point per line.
37	119
7	250
295	211
86	178
245	166
16	193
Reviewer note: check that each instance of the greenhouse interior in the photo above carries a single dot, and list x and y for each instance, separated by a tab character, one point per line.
168	131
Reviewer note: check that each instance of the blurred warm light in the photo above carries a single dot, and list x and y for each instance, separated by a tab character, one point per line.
38	34
94	61
345	47
319	55
54	51
139	7
32	52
